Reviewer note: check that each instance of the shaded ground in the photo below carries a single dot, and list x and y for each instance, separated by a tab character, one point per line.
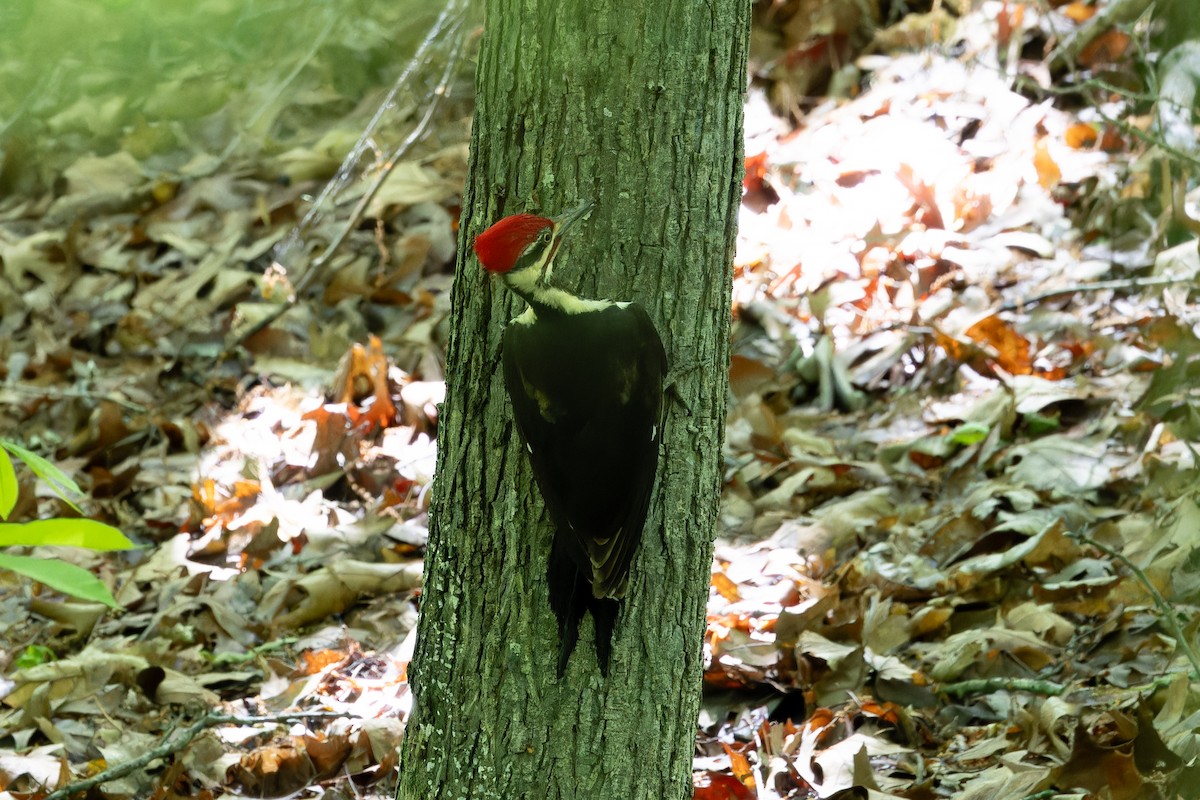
957	550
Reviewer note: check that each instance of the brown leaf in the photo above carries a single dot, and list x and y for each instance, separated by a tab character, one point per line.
273	770
1008	21
748	375
1100	760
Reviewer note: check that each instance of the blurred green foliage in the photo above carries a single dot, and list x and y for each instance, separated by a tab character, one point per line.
1180	23
168	79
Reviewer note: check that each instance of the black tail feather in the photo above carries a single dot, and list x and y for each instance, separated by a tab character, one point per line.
571	598
604	615
568	600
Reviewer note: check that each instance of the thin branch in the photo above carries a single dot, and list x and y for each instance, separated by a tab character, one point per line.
416	135
1097	286
984	685
1119	13
173	744
1166	613
345	172
56	393
275	93
451	22
1148	138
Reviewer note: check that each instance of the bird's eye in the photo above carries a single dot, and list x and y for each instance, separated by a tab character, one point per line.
545	235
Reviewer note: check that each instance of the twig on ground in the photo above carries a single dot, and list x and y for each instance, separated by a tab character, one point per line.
173	744
984	685
1166	613
1097	286
57	393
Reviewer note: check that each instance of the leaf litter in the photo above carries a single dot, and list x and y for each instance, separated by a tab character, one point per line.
940	595
960	509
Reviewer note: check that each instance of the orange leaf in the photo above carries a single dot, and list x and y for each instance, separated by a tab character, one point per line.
957	350
725	587
709	785
925	461
1080	135
740	766
1079	12
1047	170
313	661
1007	22
819	718
1012	349
1105	49
362	385
888	712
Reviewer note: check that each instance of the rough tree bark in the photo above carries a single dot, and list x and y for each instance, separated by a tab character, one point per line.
639	108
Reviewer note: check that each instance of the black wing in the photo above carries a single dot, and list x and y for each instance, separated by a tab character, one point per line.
587	395
587	392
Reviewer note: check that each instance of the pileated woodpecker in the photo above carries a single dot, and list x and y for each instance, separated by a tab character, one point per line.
586	382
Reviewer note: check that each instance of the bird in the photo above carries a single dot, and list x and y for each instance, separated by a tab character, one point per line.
585	378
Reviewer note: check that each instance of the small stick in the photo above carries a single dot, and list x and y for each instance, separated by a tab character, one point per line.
174	744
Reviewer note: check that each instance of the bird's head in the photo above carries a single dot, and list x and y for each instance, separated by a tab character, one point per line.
522	247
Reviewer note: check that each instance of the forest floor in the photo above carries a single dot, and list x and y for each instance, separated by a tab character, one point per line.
960	528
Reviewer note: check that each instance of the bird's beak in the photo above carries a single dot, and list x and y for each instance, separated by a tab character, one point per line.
563	223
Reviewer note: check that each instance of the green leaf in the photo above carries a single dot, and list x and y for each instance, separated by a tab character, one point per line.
968	433
32	656
8	485
59	481
61	576
65	533
936	446
1040	424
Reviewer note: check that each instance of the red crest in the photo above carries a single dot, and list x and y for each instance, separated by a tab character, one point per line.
500	245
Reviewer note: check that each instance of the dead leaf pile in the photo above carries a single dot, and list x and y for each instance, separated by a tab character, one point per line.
970	590
280	522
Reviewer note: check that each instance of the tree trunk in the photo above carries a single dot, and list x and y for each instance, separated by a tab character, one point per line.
639	108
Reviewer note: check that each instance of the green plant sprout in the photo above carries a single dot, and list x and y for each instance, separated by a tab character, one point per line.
70	532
